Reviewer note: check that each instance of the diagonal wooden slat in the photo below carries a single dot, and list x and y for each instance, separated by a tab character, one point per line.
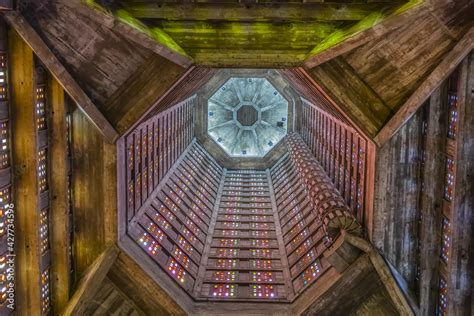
29	35
91	282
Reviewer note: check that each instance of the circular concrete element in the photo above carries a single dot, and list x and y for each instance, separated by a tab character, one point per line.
247	117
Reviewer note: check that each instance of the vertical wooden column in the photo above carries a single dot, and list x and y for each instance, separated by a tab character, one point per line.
460	267
25	177
60	267
432	200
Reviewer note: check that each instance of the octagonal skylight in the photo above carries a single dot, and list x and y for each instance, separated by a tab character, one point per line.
247	117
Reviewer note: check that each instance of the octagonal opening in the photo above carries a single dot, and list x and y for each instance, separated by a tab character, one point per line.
247	115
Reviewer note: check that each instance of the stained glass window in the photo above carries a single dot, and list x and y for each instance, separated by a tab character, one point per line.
42	171
45	291
443	297
263	291
40	108
223	290
449	179
311	273
446	240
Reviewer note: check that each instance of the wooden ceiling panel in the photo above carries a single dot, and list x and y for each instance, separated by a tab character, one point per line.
99	59
394	65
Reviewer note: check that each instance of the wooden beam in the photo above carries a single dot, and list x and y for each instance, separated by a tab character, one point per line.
53	64
25	190
432	199
60	265
254	11
358	35
440	73
91	282
398	298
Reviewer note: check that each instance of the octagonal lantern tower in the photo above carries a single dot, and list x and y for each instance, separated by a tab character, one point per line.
247	117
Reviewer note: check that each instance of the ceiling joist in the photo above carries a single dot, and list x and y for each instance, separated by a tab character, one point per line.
49	59
254	12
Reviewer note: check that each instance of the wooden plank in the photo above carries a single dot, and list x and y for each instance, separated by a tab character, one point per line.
25	185
358	37
432	199
254	11
95	192
91	282
460	269
60	237
61	74
391	286
440	73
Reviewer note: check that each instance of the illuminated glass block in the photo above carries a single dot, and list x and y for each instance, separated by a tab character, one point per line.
44	230
307	258
149	244
4	200
181	257
155	232
185	245
3	279
260	276
453	115
260	233
192	239
304	247
228	242
176	270
227	252
223	290
230	232
449	179
161	221
40	108
311	273
4	146
442	297
226	263
263	291
231	224
446	240
260	253
45	291
42	171
225	276
261	264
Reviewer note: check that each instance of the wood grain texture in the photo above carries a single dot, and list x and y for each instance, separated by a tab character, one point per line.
94	186
396	198
60	266
99	59
25	184
441	72
461	268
